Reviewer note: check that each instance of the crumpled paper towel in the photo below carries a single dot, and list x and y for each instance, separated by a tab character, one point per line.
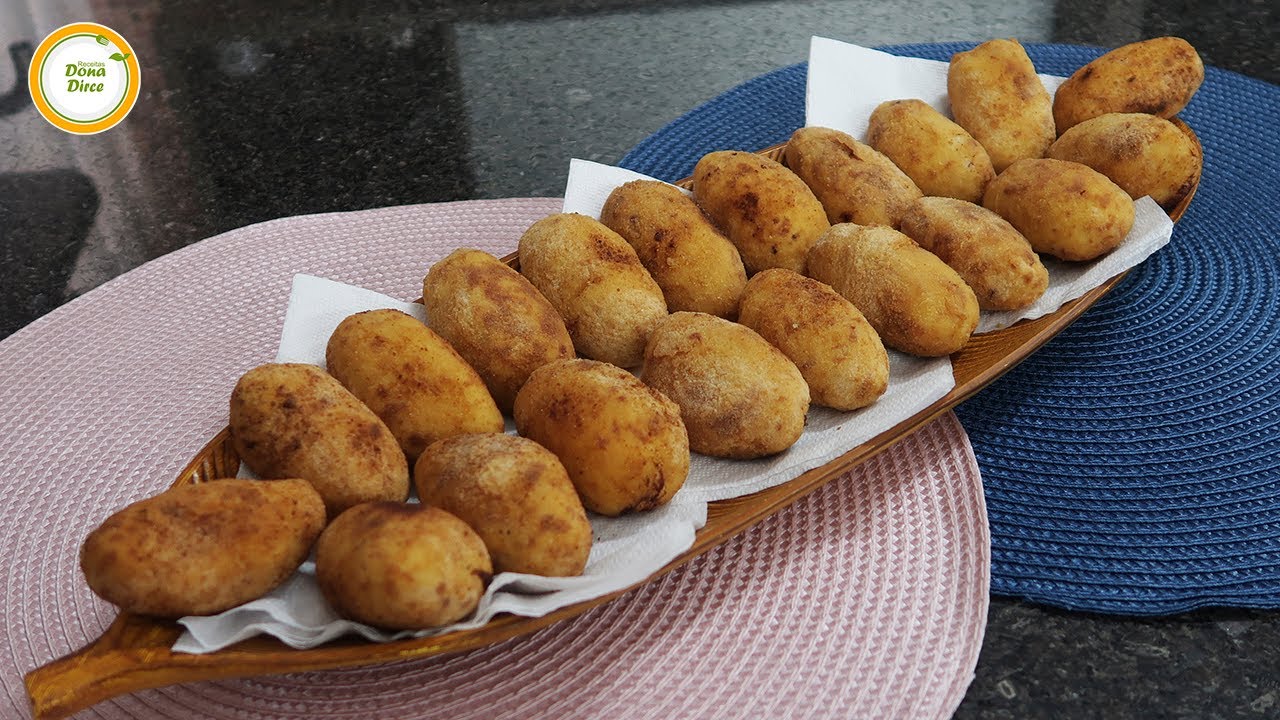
624	550
914	384
590	184
845	84
1151	231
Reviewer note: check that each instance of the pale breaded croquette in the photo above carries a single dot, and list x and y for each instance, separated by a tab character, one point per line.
697	268
854	182
996	95
766	210
496	320
832	344
597	283
992	257
1145	155
914	301
740	397
292	420
937	154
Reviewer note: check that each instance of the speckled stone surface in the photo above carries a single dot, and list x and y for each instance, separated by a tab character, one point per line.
1047	663
252	111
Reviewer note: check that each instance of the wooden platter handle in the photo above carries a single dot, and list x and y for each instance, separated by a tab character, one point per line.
125	659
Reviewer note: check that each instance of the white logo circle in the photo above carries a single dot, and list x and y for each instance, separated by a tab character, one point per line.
81	81
84	78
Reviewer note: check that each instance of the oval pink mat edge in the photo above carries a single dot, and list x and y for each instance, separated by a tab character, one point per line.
866	599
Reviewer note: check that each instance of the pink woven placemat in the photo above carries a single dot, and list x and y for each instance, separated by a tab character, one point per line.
866	599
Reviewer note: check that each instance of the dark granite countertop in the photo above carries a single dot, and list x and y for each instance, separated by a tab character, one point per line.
252	111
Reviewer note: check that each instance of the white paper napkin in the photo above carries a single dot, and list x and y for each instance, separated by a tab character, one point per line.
1151	231
914	383
317	306
624	550
845	84
590	184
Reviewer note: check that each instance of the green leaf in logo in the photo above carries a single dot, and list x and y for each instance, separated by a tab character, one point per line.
118	56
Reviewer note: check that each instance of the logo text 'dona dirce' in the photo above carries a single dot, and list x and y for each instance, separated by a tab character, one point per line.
84	78
79	76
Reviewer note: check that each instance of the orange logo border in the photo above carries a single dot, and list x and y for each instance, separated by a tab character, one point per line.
37	94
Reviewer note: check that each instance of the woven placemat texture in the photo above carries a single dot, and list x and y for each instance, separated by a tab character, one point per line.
1132	465
867	599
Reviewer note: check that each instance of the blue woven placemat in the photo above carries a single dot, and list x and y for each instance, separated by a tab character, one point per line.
1132	465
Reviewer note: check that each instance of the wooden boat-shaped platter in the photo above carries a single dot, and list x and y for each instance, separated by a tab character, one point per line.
133	654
